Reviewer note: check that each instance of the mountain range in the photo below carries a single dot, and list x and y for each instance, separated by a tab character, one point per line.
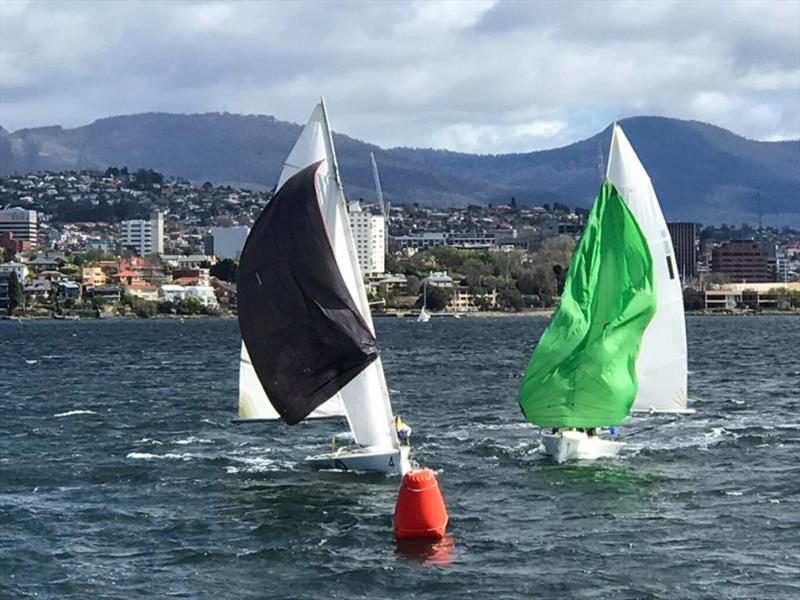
701	172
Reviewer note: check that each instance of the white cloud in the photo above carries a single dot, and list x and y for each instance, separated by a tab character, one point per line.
471	76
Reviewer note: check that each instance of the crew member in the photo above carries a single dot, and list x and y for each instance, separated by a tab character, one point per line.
403	431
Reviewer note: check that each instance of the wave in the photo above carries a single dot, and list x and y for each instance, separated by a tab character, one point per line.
168	455
259	464
71	413
151	441
193	440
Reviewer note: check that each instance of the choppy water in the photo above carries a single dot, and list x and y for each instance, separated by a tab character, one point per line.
122	476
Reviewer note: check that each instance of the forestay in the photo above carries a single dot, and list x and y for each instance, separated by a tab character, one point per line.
661	367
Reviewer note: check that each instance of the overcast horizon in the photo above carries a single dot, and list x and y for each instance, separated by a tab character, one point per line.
480	77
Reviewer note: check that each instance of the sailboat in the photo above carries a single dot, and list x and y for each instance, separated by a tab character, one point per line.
617	343
424	317
309	347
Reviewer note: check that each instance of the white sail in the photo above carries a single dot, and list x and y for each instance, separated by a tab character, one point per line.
365	399
661	367
310	147
254	404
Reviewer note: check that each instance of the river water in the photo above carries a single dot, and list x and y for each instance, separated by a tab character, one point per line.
122	476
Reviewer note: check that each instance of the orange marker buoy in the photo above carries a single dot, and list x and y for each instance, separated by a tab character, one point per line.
420	512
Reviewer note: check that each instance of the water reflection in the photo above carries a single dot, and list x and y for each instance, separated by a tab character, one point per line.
427	552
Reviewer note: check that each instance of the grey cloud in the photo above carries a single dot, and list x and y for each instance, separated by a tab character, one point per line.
492	77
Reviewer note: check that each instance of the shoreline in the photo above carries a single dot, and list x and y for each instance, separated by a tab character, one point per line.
544	313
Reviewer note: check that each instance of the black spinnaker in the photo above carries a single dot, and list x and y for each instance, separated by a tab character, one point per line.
305	335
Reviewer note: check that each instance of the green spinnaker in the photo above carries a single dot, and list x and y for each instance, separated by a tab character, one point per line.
583	370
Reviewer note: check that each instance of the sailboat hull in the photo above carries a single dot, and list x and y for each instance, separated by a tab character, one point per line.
391	461
575	445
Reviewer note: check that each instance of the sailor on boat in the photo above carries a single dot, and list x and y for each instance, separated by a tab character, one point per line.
403	431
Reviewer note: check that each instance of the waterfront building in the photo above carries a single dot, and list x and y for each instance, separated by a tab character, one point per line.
463	300
69	290
38	290
14	267
439	279
684	241
110	293
200	277
98	245
204	293
741	261
192	261
747	295
144	236
170	292
227	242
143	290
779	263
21	224
369	236
464	241
9	242
393	283
46	263
92	277
4	288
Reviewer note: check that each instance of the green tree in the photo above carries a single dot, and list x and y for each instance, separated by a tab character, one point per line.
16	296
391	264
190	306
225	270
693	299
510	298
448	257
474	271
438	297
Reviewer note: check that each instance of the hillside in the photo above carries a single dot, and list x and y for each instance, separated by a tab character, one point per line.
701	172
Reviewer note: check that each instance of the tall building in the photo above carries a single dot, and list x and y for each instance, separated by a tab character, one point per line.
20	223
369	234
144	236
684	240
742	261
227	242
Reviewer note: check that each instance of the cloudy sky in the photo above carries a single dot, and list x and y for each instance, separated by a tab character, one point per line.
470	75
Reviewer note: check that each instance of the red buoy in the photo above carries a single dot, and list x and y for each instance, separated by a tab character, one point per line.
420	512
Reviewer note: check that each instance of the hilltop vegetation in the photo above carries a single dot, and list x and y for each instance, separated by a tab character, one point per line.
702	173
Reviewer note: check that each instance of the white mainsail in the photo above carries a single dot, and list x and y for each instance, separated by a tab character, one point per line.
661	367
365	399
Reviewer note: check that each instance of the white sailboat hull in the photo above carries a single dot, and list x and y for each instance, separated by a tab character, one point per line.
575	445
390	461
